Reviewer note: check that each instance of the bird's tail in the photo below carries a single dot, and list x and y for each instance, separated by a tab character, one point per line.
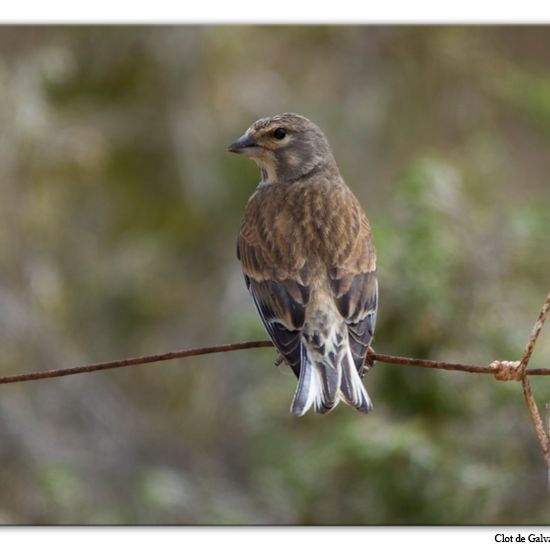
325	378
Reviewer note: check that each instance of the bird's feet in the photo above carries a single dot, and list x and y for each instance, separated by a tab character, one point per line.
369	362
279	360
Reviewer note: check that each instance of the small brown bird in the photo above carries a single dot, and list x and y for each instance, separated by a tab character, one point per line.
309	262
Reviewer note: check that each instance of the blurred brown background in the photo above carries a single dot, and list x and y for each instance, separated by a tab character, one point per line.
119	212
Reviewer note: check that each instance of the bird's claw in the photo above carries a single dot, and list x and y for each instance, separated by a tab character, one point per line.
369	362
279	360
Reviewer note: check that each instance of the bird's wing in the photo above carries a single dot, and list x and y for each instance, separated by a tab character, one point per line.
354	286
280	295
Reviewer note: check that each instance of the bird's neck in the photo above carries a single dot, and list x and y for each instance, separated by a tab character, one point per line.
286	175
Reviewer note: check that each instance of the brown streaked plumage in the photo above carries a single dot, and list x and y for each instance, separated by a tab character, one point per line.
309	261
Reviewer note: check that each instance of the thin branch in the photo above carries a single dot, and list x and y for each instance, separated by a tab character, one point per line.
542	433
501	370
545	310
192	352
537	420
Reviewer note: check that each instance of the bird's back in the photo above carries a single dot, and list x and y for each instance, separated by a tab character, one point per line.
308	221
313	239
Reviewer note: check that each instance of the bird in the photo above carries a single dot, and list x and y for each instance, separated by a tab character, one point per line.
309	262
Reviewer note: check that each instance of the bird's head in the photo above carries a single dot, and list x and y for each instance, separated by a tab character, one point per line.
285	147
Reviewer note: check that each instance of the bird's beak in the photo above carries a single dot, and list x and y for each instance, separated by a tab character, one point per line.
242	144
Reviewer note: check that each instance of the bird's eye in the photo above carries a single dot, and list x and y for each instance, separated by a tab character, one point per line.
279	133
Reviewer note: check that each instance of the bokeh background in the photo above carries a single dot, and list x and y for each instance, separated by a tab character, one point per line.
119	211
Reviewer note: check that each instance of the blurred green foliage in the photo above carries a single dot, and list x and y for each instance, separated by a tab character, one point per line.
119	214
